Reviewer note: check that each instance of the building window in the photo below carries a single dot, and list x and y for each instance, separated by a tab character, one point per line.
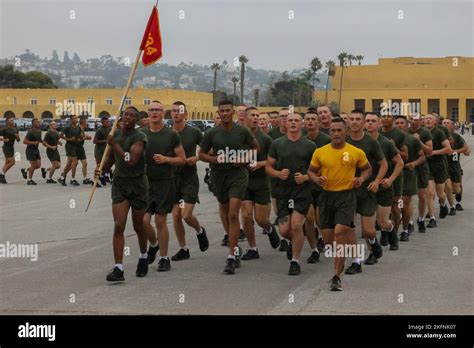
14	100
359	104
108	101
455	113
71	100
52	101
90	100
128	101
34	101
146	101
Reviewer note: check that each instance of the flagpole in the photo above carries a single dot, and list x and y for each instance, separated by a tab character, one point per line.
105	156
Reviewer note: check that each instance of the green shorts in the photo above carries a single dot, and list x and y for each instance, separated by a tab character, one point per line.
161	196
316	194
293	197
8	151
81	153
384	196
422	176
33	154
409	183
53	155
273	187
366	201
71	150
134	190
455	172
438	171
229	183
98	153
187	188
258	190
398	185
337	208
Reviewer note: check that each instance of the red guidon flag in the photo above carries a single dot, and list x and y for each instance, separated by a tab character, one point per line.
151	42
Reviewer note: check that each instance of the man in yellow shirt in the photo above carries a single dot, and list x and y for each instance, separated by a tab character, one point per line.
333	167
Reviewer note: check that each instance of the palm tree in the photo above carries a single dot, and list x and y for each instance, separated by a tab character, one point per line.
215	67
359	58
234	80
331	66
315	65
343	56
243	60
351	57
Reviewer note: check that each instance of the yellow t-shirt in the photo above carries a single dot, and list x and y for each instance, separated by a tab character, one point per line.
338	165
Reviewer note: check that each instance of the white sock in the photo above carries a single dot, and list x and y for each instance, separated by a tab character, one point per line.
433	217
420	219
443	204
143	256
316	249
254	249
1	173
411	222
200	231
356	260
154	245
371	240
295	260
184	247
119	266
231	257
163	257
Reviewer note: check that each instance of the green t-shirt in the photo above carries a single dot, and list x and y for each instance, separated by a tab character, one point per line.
438	138
51	138
226	143
425	136
293	155
457	143
71	131
10	134
264	143
390	151
414	147
321	139
396	135
82	135
101	134
126	142
162	142
33	136
324	130
275	133
372	151
190	138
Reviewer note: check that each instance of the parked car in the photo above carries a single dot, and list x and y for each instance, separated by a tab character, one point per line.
45	123
92	123
3	123
20	124
58	124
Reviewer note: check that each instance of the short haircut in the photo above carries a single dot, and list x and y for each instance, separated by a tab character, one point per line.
104	118
322	105
273	112
250	109
357	111
338	119
70	116
311	111
156	101
9	116
180	103
243	105
372	113
336	115
401	116
225	102
133	108
285	108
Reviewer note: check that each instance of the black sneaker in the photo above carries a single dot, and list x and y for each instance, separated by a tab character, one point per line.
283	245
354	268
295	268
274	238
443	211
109	177
225	240
335	284
87	181
202	239
459	207
383	238
142	268
242	234
2	179
51	181
452	211
377	249
164	265
371	260
62	181
181	255
411	228
31	182
427	216
43	172
432	223
229	266
152	253
23	172
238	257
250	255
393	240
289	252
314	258
73	182
320	244
404	236
102	180
421	226
115	276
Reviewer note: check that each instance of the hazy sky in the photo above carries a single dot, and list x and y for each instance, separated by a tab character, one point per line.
217	30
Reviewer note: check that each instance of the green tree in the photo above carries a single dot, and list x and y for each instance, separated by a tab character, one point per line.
10	78
215	67
242	60
234	80
331	66
359	58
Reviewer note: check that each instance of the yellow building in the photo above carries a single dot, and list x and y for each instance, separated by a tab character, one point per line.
55	103
442	85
